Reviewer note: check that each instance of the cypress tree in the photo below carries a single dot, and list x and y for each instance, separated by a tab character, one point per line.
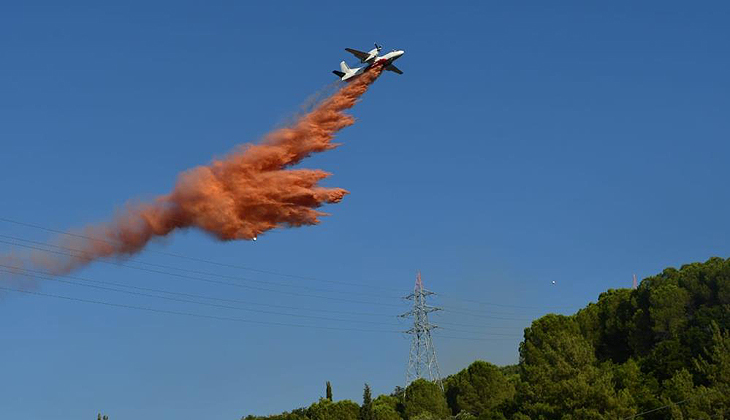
366	411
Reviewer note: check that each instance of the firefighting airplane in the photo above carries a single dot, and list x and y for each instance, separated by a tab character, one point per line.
370	58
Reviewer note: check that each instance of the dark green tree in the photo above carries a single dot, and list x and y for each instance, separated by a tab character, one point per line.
325	409
387	407
329	391
685	400
560	374
480	388
668	305
715	367
366	410
424	398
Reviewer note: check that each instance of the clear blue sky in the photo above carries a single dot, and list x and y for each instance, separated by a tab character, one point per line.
525	143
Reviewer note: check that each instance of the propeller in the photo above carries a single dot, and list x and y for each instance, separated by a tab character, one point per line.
378	47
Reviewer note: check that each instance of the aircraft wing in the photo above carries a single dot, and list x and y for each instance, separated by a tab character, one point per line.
359	54
393	69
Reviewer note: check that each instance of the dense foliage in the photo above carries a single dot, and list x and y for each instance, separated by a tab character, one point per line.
661	351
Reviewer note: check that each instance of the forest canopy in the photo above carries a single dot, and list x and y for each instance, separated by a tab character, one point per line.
661	351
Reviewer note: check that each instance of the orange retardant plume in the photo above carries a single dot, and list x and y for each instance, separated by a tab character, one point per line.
248	192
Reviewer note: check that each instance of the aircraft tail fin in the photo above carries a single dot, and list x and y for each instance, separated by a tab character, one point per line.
338	73
344	67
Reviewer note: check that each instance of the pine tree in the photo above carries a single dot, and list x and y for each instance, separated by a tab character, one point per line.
329	391
366	411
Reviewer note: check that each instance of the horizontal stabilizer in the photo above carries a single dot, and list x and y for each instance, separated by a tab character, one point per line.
338	73
393	69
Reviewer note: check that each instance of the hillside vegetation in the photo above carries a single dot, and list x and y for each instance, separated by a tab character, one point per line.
661	351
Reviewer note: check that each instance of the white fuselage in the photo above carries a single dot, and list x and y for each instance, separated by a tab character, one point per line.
388	58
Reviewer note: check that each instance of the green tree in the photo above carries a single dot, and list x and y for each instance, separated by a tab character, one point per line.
426	416
715	367
366	410
687	401
667	357
423	397
386	407
325	409
385	413
715	364
282	416
480	388
668	305
329	391
629	379
560	375
615	310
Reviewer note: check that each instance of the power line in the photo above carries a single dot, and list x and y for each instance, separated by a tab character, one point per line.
45	276
470	310
475	332
436	334
661	408
191	314
88	256
504	305
120	264
478	315
211	280
12	268
221	264
498	327
215	317
195	302
186	257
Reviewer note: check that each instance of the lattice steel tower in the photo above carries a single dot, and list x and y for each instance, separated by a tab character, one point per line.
422	357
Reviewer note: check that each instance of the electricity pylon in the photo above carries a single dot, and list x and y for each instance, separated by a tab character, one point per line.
422	357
